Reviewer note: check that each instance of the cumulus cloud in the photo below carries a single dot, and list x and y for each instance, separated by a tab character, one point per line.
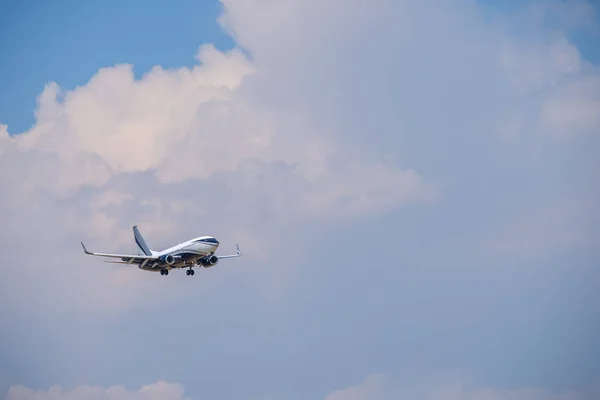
555	88
382	387
538	64
119	151
574	107
332	118
192	124
375	387
160	390
181	143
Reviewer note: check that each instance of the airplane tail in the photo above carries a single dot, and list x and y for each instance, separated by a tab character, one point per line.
143	249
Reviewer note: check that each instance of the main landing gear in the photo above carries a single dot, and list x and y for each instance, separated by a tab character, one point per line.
165	271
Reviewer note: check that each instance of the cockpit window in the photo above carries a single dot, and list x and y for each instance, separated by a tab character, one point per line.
209	240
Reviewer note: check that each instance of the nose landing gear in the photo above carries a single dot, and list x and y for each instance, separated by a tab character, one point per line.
189	272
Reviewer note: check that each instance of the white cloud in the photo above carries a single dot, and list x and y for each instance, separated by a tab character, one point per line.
374	387
343	110
160	390
317	125
91	147
574	107
3	133
538	64
555	90
382	387
181	152
131	125
192	124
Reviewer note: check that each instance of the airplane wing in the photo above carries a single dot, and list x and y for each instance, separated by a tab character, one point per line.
239	253
127	258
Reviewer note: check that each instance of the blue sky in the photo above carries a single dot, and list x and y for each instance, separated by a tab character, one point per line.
68	44
412	184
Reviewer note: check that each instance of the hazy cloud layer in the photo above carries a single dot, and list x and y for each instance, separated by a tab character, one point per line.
374	387
375	159
157	391
382	387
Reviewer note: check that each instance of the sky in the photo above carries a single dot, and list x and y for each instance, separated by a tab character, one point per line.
413	185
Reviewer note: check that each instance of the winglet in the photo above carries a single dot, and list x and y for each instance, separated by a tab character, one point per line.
238	249
84	249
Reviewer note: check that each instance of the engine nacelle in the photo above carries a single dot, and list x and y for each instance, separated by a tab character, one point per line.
170	259
210	261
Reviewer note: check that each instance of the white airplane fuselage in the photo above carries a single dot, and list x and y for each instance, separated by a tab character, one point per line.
188	252
199	251
192	246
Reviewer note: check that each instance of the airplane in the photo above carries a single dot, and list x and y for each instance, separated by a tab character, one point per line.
199	252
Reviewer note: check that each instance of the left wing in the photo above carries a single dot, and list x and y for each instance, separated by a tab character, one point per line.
127	258
239	253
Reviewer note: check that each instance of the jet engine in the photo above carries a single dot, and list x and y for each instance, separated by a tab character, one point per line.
210	261
170	259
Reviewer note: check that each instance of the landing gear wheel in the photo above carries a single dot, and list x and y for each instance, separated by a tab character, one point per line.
164	271
187	272
191	272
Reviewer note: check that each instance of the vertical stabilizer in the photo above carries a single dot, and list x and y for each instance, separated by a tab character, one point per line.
142	246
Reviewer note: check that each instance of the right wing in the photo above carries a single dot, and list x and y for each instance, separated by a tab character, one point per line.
127	258
238	254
